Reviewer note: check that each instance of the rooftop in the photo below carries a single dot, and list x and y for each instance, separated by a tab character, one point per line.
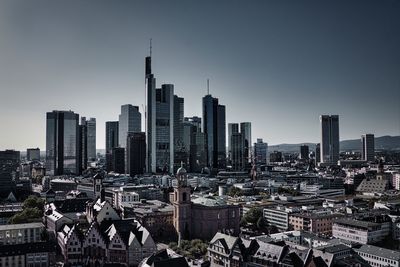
378	251
21	226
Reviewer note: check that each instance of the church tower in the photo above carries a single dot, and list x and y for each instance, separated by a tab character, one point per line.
182	205
97	185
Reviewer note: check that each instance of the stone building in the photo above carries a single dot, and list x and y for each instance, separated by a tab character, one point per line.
201	217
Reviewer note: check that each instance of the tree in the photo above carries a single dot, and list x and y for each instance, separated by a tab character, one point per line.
235	192
26	215
34	202
252	216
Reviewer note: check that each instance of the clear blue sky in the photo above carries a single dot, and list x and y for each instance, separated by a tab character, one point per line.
278	64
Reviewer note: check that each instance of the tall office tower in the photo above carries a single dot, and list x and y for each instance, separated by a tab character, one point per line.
136	153
9	165
111	135
150	116
317	153
88	140
91	139
214	129
83	155
329	138
304	152
159	124
193	140
111	141
237	148
62	142
118	159
180	154
33	154
260	152
130	120
245	130
232	128
368	147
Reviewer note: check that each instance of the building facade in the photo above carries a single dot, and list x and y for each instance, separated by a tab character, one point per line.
368	147
329	138
62	143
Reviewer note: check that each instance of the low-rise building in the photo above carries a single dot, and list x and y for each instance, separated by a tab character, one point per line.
278	216
20	233
379	257
315	222
363	232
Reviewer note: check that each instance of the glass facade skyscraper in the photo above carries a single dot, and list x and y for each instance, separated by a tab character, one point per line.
329	138
215	131
62	142
368	147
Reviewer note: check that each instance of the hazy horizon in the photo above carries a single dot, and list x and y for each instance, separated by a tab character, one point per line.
276	64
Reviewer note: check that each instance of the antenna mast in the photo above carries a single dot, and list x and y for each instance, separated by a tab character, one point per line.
150	46
208	86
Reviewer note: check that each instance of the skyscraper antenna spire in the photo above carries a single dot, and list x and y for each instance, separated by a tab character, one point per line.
150	46
208	86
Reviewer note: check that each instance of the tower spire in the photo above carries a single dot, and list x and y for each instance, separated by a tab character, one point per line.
150	46
208	86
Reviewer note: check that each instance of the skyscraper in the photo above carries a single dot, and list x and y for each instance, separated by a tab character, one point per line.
91	139
180	153
83	155
245	130
214	129
329	138
159	123
260	152
62	142
130	120
118	159
9	162
111	135
232	128
304	152
193	140
136	153
237	149
88	140
368	147
111	141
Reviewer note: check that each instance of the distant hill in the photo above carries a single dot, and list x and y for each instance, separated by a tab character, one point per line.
381	143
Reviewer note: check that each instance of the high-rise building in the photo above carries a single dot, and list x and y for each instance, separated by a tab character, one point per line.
91	139
130	120
62	142
245	130
304	152
180	153
232	128
193	140
9	165
111	135
260	152
159	123
318	153
368	147
118	159
87	133
33	154
83	155
215	130
136	153
237	146
329	138
111	142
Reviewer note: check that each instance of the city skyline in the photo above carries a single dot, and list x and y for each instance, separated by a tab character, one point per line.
280	76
